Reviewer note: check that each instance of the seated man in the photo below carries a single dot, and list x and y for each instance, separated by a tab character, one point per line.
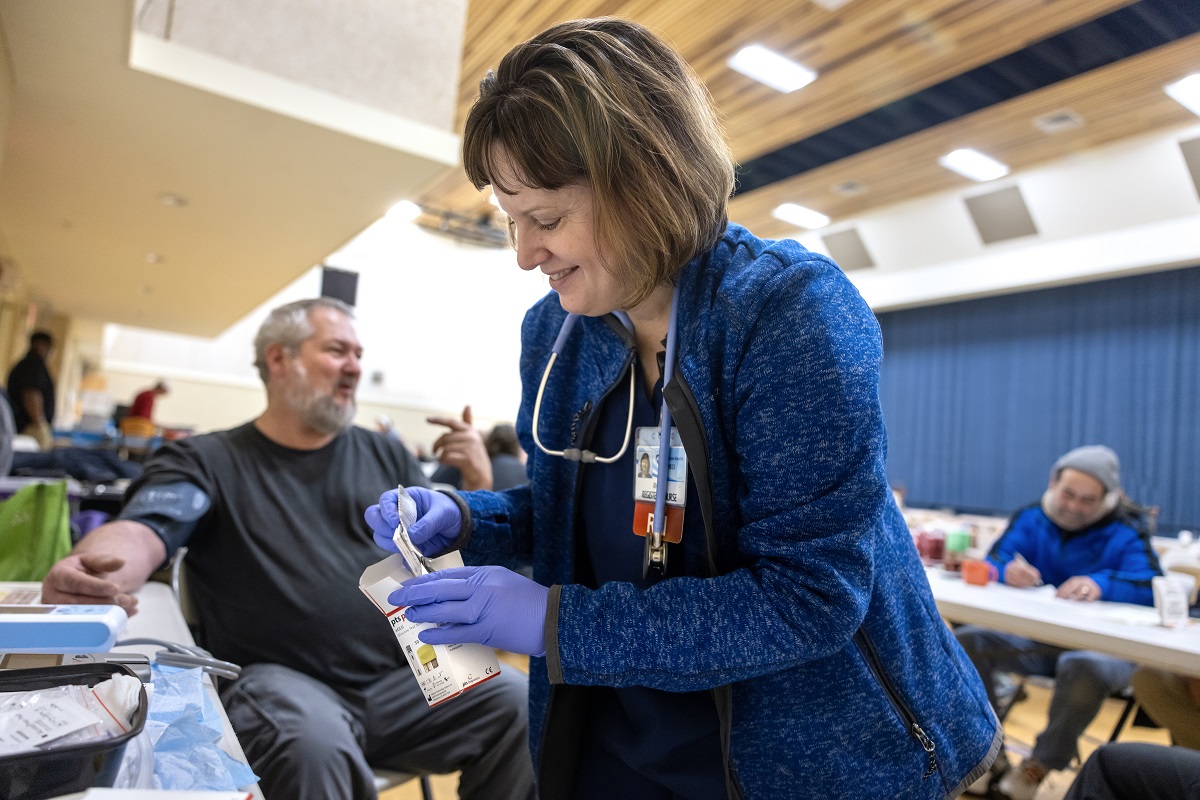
1074	540
271	514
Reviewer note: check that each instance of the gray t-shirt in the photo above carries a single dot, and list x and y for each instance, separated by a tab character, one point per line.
273	564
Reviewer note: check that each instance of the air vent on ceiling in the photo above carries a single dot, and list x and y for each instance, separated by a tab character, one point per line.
1191	154
849	188
1058	121
847	249
1001	215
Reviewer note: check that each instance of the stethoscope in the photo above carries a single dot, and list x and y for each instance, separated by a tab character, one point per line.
656	548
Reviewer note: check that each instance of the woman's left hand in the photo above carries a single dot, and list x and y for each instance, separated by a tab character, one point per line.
485	605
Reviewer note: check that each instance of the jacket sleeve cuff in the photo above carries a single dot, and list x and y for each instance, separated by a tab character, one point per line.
553	658
466	529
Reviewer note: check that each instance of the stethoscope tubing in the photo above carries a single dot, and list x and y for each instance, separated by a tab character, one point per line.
664	430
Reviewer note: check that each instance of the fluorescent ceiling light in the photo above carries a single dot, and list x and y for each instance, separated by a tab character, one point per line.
1186	92
800	216
767	66
404	211
973	164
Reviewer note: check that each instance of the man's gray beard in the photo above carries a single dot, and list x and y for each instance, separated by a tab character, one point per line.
319	412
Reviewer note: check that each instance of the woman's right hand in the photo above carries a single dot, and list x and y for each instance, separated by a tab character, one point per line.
438	520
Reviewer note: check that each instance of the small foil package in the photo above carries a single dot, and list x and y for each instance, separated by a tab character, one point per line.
443	671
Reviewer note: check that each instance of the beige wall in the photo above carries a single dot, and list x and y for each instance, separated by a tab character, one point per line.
6	93
211	404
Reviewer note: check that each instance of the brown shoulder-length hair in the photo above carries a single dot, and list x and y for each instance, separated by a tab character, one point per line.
605	103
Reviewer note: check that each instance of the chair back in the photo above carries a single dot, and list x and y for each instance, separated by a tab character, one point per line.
1143	518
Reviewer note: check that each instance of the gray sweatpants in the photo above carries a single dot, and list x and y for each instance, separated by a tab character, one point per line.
308	741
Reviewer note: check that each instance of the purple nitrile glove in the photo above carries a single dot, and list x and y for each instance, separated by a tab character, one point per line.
437	526
485	605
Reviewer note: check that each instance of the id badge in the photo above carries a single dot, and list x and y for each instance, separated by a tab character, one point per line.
645	483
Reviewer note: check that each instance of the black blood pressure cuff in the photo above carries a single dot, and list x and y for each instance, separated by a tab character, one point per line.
171	510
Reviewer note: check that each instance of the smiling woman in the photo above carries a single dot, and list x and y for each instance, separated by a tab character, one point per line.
755	622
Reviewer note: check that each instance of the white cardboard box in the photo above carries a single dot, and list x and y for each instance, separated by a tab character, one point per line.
443	670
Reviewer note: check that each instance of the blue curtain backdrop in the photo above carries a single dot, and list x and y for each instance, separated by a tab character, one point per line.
980	397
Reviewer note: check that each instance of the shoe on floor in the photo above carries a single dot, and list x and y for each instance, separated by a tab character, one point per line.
1022	783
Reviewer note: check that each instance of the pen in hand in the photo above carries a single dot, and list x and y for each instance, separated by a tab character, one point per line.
1020	559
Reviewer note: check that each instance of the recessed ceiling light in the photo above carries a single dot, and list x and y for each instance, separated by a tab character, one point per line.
404	211
800	216
155	258
973	164
767	66
1186	92
171	199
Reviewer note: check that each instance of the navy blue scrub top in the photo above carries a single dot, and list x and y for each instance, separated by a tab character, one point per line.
671	738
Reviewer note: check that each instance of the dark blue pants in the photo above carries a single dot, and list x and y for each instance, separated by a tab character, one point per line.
1138	771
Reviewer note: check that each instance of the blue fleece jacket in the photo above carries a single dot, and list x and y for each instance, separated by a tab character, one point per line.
805	608
1119	559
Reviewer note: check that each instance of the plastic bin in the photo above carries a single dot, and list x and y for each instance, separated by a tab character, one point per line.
72	768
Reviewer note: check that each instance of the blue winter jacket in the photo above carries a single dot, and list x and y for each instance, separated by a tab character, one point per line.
1119	559
805	610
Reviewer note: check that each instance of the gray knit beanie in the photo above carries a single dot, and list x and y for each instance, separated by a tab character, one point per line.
1096	460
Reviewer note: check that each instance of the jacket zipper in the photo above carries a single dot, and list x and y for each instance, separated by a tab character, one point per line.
691	429
867	648
694	431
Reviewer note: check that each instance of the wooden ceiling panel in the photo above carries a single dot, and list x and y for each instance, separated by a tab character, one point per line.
1116	102
869	53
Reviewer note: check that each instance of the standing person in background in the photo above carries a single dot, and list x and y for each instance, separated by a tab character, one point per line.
779	639
143	403
31	391
1076	541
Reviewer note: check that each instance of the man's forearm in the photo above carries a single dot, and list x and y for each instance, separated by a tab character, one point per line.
134	543
34	406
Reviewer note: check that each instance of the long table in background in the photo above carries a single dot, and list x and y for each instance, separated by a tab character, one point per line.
1126	631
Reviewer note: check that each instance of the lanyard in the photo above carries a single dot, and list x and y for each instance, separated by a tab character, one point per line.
664	425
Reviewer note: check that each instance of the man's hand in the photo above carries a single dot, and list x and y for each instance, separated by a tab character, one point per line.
1021	574
1080	587
79	579
462	447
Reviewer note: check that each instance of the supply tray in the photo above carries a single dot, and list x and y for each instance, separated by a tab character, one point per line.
72	768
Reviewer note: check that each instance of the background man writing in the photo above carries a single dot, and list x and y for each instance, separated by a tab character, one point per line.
271	513
1076	541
